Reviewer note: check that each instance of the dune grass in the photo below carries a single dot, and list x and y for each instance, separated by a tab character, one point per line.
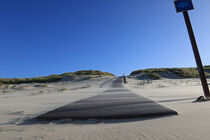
179	72
154	76
52	78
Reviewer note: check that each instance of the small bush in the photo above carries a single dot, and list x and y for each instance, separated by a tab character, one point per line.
63	89
21	88
1	85
41	91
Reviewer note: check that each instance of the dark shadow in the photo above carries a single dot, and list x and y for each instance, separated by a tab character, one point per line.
174	100
34	121
7	123
134	119
115	103
117	90
201	99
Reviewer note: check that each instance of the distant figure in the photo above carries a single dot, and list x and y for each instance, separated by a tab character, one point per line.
124	79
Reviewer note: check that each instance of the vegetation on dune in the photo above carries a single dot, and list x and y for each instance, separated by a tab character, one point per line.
91	72
166	72
186	72
31	80
52	78
154	76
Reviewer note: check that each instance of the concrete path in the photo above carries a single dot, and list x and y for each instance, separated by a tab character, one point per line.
115	103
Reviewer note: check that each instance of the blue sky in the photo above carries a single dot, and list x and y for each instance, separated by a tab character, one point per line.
43	37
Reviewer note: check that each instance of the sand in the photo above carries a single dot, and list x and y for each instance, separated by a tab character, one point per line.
19	104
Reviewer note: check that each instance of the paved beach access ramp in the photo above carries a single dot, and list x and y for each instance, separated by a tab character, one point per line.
114	103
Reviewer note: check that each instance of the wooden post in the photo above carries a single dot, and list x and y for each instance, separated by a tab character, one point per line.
197	55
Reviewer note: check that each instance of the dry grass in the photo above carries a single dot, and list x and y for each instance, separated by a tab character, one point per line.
63	89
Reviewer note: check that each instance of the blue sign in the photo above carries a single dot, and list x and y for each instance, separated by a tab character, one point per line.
183	5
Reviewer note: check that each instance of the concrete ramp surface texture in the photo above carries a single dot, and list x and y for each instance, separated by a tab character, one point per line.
115	103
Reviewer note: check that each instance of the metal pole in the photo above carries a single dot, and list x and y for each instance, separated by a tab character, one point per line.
197	55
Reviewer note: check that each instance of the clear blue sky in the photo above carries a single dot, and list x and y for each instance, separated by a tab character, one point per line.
43	37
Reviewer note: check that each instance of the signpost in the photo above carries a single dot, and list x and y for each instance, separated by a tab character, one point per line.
183	6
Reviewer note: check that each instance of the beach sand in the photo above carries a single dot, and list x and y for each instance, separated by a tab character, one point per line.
20	104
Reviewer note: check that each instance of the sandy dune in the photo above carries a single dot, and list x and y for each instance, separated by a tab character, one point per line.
20	103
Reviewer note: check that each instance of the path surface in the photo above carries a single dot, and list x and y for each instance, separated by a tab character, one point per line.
115	103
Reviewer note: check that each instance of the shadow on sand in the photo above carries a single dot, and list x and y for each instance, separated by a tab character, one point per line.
174	100
34	121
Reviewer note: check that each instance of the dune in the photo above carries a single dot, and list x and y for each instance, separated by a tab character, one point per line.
170	73
20	104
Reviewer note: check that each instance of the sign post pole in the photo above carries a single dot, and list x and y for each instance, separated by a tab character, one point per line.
184	6
197	55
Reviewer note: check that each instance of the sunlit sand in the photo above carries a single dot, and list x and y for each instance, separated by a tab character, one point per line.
21	103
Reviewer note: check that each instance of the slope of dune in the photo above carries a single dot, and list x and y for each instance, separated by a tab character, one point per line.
172	73
79	75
